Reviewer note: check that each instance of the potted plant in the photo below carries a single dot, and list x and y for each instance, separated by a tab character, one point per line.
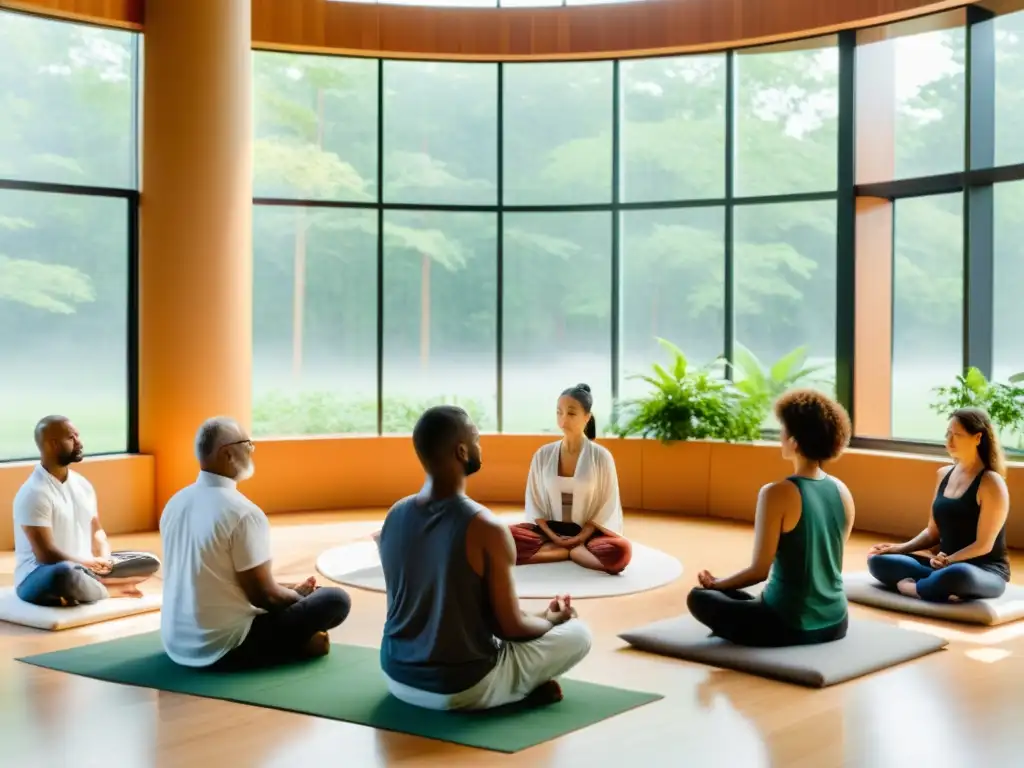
769	382
1004	403
687	403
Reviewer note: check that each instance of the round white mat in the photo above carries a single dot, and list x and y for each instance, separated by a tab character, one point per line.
358	565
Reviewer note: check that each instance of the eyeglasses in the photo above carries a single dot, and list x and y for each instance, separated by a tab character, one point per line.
250	443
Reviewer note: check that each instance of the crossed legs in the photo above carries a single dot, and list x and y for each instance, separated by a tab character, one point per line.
913	576
523	670
69	584
743	619
293	633
602	552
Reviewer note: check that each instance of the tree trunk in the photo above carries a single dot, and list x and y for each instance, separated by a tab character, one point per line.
299	260
424	312
425	299
298	293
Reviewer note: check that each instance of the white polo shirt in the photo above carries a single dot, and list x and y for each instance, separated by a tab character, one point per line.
209	531
67	508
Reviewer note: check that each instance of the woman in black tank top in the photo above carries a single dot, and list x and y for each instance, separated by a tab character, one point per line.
967	524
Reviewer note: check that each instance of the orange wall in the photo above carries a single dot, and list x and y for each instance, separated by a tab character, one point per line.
124	488
893	491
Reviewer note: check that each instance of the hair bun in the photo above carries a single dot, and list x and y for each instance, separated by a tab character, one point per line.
584	387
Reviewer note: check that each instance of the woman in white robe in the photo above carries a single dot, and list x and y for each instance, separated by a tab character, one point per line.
573	511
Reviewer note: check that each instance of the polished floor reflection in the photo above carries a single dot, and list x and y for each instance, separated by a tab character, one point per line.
959	707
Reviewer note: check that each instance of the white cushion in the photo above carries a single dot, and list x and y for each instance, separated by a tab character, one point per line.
17	611
863	588
358	565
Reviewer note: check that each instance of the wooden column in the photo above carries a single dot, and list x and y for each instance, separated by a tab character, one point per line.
875	161
195	334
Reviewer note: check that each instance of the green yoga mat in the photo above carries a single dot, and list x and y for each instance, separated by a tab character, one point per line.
345	685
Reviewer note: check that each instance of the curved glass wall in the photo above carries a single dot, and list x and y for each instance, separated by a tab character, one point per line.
489	234
524	227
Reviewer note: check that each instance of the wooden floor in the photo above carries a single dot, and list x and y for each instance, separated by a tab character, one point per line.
960	707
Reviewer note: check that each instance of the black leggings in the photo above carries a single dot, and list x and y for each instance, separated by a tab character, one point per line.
741	618
281	636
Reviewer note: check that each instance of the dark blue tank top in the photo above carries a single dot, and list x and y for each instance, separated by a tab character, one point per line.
438	634
957	521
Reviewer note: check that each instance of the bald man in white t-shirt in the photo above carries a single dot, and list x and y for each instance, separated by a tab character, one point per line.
61	551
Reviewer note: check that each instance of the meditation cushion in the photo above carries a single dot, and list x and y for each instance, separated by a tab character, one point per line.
869	646
865	589
16	611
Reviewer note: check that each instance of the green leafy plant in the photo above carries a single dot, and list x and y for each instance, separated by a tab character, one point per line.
687	403
1004	403
767	382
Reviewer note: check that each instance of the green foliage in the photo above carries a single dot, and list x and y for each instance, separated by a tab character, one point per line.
1004	403
686	403
766	383
50	287
328	413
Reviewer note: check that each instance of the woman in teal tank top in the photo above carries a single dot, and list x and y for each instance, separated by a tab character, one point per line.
800	529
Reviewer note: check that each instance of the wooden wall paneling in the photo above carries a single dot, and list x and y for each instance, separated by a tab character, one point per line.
127	14
569	32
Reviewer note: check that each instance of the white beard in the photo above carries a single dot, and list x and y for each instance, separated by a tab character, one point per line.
246	472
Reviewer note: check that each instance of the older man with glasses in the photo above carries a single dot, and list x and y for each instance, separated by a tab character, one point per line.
221	605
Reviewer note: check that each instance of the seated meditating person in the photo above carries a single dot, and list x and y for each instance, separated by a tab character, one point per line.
967	524
61	551
455	637
800	529
222	607
573	510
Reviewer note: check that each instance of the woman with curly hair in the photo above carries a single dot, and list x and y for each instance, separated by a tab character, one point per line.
967	523
800	529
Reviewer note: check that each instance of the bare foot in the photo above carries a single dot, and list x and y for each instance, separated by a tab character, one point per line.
125	590
546	693
318	645
907	587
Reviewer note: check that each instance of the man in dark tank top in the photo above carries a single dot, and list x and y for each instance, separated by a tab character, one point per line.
455	636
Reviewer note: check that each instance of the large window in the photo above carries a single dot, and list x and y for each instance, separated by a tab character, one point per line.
67	96
489	234
520	235
1008	341
673	128
673	288
557	314
785	288
787	118
558	133
314	321
927	310
1008	34
440	289
440	133
910	96
490	258
315	127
